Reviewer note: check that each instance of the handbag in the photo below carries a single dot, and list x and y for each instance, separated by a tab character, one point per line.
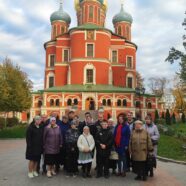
113	155
151	161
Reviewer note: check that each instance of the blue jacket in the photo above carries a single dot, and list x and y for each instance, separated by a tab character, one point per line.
64	127
125	137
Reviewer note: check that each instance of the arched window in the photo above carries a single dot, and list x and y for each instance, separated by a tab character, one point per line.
138	104
69	102
75	102
109	102
57	102
129	82
51	102
39	103
104	102
62	29
149	105
125	103
119	30
119	103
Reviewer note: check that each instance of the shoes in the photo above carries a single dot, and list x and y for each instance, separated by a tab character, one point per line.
74	175
123	174
137	178
89	175
151	174
118	174
106	176
35	174
49	175
53	172
30	175
144	178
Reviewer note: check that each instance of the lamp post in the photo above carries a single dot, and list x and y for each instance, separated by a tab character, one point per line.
140	91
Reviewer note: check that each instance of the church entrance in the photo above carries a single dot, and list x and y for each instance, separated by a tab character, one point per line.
90	104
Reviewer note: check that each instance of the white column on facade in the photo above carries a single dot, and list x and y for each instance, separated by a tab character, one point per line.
132	100
110	75
69	76
156	103
44	99
114	100
63	100
96	101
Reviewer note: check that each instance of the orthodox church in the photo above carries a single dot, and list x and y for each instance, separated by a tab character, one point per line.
90	67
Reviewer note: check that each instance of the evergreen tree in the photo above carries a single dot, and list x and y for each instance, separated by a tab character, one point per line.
156	116
167	117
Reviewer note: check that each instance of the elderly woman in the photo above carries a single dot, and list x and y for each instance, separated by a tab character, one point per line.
52	141
86	145
140	145
152	129
34	148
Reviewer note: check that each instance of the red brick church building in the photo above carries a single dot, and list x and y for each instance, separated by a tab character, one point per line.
89	67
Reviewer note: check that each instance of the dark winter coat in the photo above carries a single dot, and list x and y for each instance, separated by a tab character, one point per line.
71	139
34	140
125	138
104	136
64	127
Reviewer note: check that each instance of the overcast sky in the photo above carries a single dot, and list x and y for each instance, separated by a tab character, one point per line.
157	26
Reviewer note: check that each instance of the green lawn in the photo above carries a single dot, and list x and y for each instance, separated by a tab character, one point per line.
14	132
170	147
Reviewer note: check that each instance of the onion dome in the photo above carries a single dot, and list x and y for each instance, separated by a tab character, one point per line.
122	16
60	15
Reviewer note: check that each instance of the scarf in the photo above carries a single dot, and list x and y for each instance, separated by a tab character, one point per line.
118	135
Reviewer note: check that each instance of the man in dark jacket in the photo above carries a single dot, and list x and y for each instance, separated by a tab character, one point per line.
104	141
34	148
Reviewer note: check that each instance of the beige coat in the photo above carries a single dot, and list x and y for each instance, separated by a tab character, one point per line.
140	144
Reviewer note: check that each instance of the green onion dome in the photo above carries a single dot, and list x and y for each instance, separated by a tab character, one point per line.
122	16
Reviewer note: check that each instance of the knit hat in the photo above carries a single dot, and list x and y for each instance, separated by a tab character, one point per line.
52	119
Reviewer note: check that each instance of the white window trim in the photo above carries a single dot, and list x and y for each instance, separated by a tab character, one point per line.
50	74
49	62
112	56
130	75
131	61
89	66
93	50
68	54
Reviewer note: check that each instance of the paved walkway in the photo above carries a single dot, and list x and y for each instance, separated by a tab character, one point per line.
13	172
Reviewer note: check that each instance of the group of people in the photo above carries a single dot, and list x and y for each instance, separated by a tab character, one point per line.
123	146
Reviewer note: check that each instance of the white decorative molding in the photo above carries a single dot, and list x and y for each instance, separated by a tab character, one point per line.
69	76
110	75
89	66
50	74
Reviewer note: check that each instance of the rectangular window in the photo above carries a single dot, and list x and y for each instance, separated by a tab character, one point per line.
52	60
90	50
91	12
114	56
66	55
51	82
129	82
129	62
89	75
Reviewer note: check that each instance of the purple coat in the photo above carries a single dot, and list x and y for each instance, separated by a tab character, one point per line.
52	140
